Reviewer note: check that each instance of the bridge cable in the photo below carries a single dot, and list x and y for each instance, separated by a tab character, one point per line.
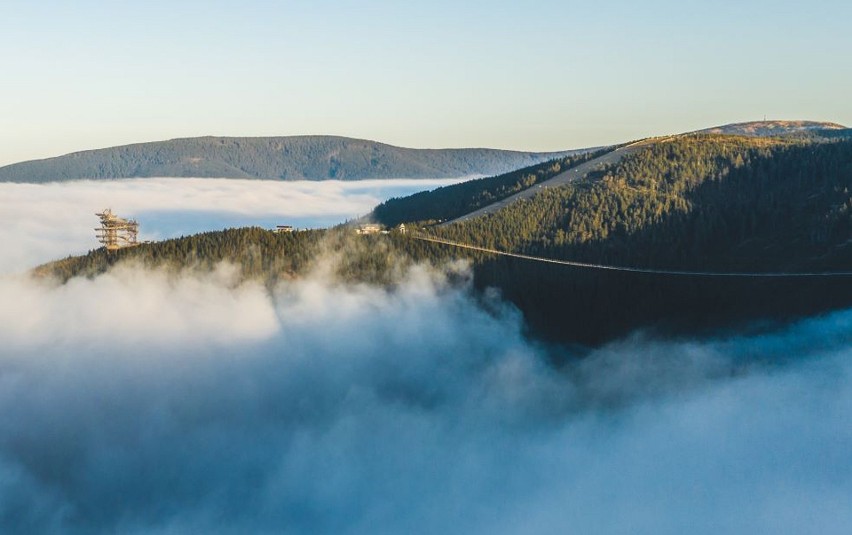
421	237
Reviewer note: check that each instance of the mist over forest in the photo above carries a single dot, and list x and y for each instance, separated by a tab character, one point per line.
43	222
154	399
149	401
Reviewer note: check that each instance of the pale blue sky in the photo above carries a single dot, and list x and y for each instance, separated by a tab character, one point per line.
538	75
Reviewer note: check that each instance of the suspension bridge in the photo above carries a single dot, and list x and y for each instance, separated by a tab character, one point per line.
627	269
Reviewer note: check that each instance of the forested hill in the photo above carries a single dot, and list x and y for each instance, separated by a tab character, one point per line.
706	203
703	203
695	202
275	158
449	202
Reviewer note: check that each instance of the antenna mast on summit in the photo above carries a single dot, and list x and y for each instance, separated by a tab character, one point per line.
116	232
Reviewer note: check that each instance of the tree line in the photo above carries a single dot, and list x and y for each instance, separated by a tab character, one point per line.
449	202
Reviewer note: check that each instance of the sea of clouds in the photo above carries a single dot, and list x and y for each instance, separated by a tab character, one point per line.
41	222
147	402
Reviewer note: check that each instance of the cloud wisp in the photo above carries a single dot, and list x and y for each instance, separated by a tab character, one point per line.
140	402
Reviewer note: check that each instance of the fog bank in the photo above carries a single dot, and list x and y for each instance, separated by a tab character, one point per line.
144	403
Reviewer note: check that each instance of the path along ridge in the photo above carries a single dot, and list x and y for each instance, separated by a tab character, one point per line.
566	177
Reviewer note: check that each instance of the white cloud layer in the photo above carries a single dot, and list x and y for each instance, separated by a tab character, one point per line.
40	222
142	403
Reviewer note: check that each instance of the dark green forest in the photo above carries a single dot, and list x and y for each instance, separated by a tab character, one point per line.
699	202
449	202
259	254
708	203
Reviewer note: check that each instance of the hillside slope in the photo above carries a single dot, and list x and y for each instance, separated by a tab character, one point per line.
697	203
449	202
274	158
693	202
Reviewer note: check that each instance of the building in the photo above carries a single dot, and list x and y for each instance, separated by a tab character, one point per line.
368	228
283	229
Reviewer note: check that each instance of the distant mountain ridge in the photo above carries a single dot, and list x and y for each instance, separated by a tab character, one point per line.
275	158
326	157
771	128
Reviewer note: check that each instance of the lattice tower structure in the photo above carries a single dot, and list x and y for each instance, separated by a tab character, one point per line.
116	232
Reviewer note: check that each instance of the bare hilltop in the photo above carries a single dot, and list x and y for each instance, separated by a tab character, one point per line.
772	128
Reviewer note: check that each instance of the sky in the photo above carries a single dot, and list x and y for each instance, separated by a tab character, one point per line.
538	75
